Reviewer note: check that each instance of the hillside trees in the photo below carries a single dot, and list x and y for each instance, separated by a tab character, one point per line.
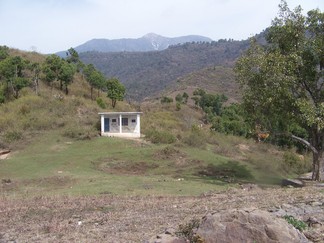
115	91
95	78
12	77
57	69
283	83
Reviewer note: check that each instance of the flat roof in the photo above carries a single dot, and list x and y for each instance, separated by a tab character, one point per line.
120	113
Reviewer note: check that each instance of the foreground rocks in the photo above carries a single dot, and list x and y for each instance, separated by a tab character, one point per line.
111	218
256	225
243	225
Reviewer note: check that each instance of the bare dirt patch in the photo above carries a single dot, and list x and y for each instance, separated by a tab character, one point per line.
53	182
108	218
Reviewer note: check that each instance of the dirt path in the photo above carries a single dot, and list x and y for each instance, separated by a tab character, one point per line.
109	218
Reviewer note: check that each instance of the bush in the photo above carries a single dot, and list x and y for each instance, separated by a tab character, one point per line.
156	136
14	135
298	224
101	103
196	138
187	231
79	133
166	100
231	171
292	163
178	106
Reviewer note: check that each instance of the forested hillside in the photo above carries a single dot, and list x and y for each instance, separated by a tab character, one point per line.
145	74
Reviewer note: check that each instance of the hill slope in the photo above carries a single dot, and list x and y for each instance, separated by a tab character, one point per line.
146	74
218	80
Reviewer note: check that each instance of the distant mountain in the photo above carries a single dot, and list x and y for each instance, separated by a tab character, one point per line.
149	42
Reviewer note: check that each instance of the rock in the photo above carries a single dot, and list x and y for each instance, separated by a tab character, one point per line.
292	182
4	153
249	225
167	238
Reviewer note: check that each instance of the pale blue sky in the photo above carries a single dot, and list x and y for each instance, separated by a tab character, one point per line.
50	26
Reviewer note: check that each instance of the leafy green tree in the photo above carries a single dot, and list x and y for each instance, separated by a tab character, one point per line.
115	91
52	69
282	83
66	74
12	72
4	52
231	121
57	69
95	78
72	56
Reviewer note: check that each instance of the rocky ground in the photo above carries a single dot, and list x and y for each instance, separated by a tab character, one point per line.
108	218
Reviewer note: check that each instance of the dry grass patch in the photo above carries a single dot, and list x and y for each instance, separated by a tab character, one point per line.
108	218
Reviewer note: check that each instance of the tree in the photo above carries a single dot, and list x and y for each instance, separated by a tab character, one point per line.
66	74
72	56
36	69
11	71
52	69
4	52
282	82
95	78
57	69
115	91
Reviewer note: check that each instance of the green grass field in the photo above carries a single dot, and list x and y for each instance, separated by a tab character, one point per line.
53	164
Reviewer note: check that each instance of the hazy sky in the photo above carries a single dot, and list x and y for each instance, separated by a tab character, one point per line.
49	26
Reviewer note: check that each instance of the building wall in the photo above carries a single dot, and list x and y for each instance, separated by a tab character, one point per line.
130	125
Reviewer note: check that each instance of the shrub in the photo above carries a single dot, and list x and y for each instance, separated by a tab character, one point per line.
231	171
187	231
292	163
298	224
101	103
178	106
166	100
196	138
79	133
179	98
14	135
156	136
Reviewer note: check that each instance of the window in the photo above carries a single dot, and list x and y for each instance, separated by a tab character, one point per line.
114	120
124	121
133	120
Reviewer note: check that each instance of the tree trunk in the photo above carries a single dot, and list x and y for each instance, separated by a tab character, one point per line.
317	166
317	140
113	103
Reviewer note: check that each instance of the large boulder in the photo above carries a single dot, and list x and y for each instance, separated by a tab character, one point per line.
248	225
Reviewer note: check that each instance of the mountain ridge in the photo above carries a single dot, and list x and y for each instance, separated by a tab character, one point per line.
147	73
148	42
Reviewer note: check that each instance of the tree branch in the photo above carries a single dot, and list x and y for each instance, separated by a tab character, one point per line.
305	142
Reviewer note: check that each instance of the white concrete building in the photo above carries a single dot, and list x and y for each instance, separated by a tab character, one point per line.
120	124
